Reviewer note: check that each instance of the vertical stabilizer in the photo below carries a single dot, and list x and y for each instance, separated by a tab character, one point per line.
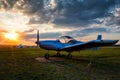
99	37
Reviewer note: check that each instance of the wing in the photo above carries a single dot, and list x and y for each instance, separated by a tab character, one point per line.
87	45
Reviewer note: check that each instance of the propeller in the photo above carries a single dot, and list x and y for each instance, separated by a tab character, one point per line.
37	42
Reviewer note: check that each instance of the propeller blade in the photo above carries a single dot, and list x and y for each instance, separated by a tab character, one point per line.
37	42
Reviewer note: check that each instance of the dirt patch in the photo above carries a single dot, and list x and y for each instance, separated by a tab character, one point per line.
51	59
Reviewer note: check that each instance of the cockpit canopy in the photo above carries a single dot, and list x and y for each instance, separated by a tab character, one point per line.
65	39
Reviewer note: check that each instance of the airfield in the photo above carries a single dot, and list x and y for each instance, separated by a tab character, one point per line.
24	64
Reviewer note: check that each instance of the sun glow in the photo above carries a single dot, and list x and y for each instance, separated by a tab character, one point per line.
11	36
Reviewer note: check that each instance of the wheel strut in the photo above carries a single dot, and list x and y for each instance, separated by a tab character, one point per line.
69	56
58	54
47	55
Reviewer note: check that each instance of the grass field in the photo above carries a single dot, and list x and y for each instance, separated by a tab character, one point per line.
20	64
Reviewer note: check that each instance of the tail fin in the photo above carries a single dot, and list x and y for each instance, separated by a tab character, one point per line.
99	37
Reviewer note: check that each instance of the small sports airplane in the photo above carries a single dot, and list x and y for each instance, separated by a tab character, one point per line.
69	44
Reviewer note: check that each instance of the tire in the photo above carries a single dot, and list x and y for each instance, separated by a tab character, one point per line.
69	56
58	55
47	56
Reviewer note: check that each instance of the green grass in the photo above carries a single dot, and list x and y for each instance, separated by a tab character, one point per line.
20	64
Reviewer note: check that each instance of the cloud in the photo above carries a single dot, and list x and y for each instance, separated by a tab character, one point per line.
13	21
75	13
29	31
82	13
48	35
68	17
86	32
72	13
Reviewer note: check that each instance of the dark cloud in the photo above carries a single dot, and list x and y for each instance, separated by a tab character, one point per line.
12	4
42	35
34	6
68	13
72	13
7	4
83	12
96	30
85	32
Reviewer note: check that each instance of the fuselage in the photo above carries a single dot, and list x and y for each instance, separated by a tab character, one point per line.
58	46
55	44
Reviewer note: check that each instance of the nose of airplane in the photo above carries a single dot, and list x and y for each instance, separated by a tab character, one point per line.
39	43
49	45
42	44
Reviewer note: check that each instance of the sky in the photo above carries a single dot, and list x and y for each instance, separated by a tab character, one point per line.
81	19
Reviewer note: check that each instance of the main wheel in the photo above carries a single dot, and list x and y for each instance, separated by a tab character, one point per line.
47	56
69	56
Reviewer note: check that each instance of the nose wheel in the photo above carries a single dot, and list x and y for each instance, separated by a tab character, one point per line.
46	56
69	56
58	54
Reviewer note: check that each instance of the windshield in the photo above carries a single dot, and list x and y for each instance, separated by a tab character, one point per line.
65	39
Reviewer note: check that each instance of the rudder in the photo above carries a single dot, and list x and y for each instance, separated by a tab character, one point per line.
99	37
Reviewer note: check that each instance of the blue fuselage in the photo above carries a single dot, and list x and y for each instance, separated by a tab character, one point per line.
55	44
58	46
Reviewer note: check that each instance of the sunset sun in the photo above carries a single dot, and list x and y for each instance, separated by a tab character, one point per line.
11	36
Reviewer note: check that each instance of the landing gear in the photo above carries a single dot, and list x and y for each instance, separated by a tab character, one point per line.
69	56
46	56
58	54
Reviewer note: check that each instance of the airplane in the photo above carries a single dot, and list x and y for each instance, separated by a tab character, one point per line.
21	46
69	44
